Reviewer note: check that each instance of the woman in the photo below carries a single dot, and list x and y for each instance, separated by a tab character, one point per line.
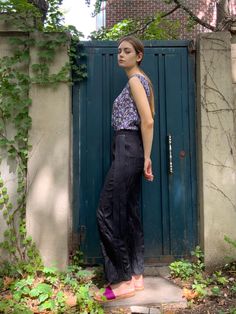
118	211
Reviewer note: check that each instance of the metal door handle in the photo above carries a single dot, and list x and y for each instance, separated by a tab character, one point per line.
169	136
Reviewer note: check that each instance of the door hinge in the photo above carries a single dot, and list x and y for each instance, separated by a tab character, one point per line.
82	234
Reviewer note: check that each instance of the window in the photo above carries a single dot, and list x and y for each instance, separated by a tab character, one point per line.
101	17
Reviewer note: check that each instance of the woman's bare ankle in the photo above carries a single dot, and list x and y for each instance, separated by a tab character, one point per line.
123	287
138	282
138	277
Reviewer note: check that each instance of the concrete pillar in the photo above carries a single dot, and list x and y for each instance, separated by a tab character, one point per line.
48	214
216	146
49	185
233	59
7	165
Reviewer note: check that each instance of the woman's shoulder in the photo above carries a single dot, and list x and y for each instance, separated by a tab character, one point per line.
143	79
140	76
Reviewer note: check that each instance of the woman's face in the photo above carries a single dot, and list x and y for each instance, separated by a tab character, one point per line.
127	56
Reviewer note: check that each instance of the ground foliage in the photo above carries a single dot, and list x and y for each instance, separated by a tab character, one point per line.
47	290
207	291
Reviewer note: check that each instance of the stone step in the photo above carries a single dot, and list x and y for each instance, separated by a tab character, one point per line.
158	291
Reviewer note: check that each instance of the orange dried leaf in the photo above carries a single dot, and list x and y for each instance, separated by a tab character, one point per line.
189	294
7	281
8	297
71	299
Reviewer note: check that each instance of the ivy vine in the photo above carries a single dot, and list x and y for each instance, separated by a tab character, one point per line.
15	120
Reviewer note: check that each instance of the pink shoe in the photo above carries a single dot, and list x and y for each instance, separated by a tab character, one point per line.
138	282
112	293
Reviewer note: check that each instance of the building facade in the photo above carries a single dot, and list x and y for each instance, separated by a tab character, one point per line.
114	11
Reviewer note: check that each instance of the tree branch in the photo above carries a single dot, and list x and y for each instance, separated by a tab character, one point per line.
15	149
194	17
42	5
226	23
153	19
216	188
222	8
171	11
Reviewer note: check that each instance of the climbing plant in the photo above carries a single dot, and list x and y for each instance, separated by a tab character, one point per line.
15	121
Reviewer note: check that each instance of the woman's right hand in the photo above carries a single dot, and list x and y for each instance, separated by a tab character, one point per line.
147	171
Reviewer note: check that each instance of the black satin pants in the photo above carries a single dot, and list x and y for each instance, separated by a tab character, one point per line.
118	213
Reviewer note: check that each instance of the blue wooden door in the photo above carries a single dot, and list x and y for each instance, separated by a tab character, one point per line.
168	204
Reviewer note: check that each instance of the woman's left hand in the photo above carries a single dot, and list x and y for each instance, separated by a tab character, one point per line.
147	171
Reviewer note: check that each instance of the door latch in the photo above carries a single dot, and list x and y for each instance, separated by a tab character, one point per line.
169	137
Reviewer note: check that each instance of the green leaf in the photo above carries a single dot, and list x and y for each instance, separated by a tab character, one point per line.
9	206
43	297
44	288
26	290
233	288
4	190
29	239
24	282
17	295
34	293
6	197
230	241
13	249
215	290
7	233
60	295
48	305
3	143
50	270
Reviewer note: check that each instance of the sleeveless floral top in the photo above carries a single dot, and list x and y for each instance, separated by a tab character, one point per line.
124	113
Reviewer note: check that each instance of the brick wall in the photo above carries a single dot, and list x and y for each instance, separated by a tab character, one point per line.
117	10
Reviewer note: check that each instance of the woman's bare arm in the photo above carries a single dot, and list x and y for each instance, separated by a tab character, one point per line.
141	100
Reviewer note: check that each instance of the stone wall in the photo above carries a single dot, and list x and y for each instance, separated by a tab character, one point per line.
48	213
216	145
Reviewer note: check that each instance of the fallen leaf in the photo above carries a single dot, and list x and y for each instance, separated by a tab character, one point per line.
222	302
8	297
70	299
189	294
7	281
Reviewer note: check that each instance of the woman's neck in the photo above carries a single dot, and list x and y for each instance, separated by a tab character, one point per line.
132	71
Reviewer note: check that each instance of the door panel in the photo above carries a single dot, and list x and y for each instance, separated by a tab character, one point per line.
168	204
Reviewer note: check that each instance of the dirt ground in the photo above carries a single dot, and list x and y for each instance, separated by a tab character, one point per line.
224	303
